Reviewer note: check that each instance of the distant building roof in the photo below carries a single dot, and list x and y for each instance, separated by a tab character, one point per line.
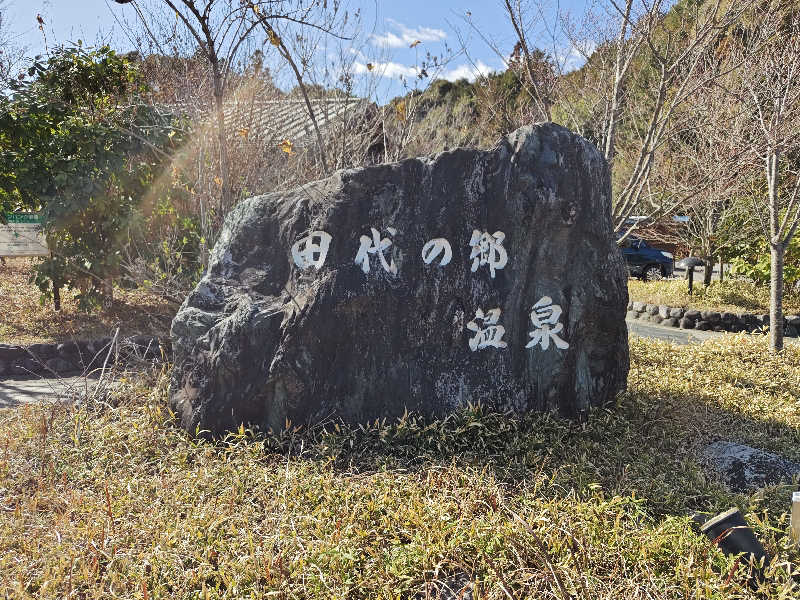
272	121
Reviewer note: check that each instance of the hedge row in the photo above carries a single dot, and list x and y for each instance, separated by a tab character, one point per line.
76	356
709	320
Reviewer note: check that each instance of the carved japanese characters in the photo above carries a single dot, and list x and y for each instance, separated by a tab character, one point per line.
486	250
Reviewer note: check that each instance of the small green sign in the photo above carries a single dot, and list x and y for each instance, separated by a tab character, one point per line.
24	218
22	235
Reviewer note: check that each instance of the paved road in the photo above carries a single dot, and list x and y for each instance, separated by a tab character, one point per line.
669	334
14	392
681	336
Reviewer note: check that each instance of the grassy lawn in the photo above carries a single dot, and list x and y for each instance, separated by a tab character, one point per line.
26	321
730	295
109	500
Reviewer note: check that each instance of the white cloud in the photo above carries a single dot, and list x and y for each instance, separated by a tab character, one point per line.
467	71
405	36
575	58
356	52
392	70
395	70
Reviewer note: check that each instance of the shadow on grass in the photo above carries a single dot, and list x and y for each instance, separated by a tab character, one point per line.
642	448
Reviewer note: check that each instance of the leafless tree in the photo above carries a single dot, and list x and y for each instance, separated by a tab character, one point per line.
702	166
539	82
716	216
767	94
642	67
10	54
219	28
255	128
221	31
538	70
660	65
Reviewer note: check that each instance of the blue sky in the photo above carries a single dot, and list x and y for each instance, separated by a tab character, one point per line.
390	27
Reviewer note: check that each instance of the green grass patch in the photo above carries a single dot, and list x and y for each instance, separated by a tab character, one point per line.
111	500
733	295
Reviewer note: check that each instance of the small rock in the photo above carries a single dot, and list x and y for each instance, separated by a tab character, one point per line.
744	468
26	366
59	365
99	346
632	314
655	319
728	317
763	319
793	320
72	350
651	309
5	368
703	325
663	311
718	328
42	350
457	587
711	316
693	315
630	305
639	306
670	322
676	313
686	323
8	352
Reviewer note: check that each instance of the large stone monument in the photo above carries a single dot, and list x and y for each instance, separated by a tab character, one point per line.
475	276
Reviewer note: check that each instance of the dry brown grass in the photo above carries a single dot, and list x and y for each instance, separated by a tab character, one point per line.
25	320
110	500
733	295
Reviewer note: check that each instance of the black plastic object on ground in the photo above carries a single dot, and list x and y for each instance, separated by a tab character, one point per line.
733	535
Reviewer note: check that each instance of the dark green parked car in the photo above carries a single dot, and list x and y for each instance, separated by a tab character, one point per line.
646	262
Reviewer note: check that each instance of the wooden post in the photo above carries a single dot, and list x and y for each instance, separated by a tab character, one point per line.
57	297
691	278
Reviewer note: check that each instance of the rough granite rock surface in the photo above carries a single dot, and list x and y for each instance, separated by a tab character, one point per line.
264	339
745	469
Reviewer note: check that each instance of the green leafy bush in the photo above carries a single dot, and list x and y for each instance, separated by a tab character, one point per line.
77	147
753	262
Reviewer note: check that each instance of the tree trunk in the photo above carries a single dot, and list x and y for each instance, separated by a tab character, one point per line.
108	293
222	138
776	251
776	297
223	154
709	271
721	270
616	92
